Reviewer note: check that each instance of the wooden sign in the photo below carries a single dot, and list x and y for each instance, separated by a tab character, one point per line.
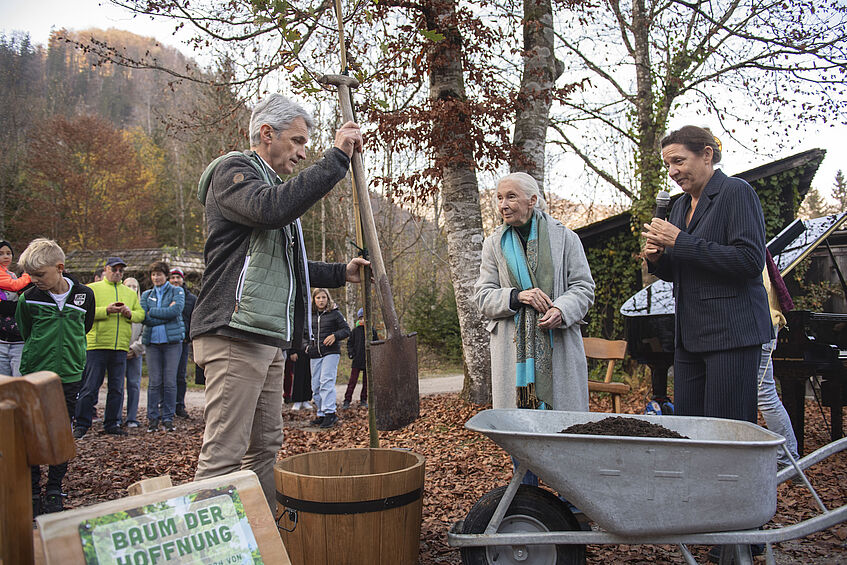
224	520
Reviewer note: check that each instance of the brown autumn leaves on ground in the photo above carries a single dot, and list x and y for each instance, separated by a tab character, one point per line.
461	466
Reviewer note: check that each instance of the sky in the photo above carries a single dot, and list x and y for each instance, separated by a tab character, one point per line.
29	16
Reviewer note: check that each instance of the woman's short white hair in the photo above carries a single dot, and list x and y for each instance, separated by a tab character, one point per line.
529	186
278	112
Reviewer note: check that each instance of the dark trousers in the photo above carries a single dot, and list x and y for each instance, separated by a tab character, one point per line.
97	363
718	384
287	378
351	384
659	380
181	373
199	375
55	473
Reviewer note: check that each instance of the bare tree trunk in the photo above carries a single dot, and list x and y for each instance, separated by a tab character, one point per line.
462	216
181	203
648	127
354	297
323	231
541	69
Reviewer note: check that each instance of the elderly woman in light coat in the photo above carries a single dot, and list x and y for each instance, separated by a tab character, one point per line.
509	304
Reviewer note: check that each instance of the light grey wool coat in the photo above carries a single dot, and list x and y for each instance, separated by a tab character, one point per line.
573	294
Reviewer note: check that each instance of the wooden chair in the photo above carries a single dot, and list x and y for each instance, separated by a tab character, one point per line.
611	351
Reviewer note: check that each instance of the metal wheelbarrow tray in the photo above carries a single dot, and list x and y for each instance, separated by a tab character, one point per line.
723	478
715	488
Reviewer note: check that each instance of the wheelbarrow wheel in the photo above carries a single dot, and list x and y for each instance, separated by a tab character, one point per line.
533	510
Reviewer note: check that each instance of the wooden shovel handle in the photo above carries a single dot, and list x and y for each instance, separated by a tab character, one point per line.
389	313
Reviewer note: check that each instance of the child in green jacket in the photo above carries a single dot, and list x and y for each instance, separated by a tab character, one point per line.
53	317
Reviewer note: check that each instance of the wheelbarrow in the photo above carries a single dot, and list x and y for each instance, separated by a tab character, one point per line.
715	488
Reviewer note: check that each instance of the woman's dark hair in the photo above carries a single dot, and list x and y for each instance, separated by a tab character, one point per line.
695	139
159	266
4	243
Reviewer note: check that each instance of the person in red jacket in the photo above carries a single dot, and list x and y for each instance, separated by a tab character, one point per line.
11	342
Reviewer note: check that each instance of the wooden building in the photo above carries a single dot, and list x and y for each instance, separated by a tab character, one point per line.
83	264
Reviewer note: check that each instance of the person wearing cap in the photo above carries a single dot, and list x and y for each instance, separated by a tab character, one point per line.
177	279
356	352
116	308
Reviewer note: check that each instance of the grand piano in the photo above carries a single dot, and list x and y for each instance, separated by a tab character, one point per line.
813	344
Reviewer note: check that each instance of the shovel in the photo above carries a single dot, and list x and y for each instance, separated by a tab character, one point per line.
394	360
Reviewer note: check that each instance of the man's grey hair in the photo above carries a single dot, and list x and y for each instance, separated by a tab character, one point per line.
278	112
529	186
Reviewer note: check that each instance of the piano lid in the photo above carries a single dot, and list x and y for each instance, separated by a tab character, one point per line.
657	299
816	232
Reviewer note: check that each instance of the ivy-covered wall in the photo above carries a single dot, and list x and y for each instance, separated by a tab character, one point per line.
617	276
780	197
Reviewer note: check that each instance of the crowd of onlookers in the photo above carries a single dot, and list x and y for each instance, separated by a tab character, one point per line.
106	329
90	333
153	325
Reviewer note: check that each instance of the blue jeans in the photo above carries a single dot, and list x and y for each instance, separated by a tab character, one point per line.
10	358
162	361
530	478
97	363
324	372
776	418
180	374
133	387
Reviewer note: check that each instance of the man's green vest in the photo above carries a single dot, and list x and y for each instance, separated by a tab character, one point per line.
266	288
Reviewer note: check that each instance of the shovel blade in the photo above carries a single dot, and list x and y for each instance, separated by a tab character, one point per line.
394	363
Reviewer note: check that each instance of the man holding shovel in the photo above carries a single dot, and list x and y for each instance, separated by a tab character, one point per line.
254	302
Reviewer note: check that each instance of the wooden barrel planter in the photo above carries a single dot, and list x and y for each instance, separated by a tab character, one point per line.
351	506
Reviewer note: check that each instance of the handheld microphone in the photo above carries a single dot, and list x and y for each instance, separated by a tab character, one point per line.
663	200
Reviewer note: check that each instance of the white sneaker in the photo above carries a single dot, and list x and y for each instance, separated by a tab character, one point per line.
296	406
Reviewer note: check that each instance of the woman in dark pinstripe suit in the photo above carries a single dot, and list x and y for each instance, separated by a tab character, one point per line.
713	249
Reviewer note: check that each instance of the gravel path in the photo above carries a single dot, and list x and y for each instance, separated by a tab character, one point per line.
194	398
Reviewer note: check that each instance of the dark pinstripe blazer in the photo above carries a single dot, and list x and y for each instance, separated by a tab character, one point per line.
716	267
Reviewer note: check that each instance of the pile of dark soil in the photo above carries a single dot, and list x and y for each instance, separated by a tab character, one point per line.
619	426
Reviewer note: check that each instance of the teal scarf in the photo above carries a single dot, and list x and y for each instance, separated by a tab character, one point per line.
531	269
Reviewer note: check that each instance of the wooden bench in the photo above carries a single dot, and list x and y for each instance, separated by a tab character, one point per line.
611	351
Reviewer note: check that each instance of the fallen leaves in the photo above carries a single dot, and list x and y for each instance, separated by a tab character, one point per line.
461	466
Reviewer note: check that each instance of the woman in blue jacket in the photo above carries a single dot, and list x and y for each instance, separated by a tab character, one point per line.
162	336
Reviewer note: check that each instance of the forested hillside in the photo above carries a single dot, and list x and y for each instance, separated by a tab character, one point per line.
98	156
102	156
